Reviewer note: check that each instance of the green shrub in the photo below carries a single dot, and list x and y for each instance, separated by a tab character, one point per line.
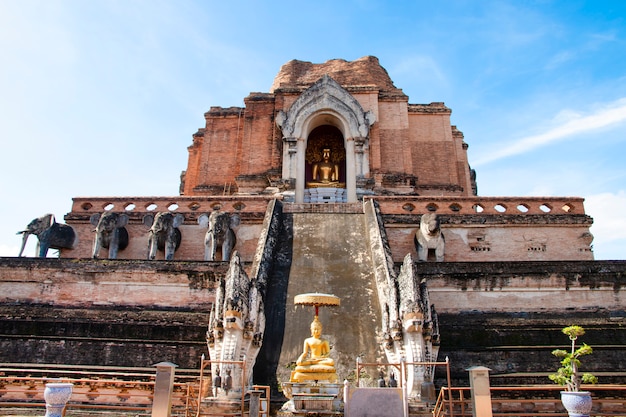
568	374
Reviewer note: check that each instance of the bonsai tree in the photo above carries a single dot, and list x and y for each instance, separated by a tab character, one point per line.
568	374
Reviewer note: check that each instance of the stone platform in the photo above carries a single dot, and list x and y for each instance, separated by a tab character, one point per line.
325	195
318	399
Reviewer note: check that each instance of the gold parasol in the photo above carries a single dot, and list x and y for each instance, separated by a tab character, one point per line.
317	300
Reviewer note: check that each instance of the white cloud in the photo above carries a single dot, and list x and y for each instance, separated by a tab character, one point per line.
570	124
609	227
609	212
559	59
424	65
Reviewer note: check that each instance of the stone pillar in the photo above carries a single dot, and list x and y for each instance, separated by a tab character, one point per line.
255	402
350	172
300	166
289	158
481	392
365	155
362	158
163	387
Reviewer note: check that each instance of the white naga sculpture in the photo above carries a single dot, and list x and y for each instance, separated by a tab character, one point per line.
411	329
236	326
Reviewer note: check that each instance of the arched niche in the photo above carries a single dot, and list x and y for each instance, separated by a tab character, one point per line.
325	139
325	103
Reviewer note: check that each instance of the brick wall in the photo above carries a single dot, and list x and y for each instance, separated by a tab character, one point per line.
503	315
415	140
561	233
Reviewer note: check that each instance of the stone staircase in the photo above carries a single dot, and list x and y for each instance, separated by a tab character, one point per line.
331	254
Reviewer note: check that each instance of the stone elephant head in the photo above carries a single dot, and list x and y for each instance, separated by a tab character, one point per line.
110	233
220	234
50	235
164	233
429	236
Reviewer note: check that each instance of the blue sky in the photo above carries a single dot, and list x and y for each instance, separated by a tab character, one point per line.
100	98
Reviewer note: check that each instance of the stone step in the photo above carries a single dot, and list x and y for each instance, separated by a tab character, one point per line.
419	409
220	407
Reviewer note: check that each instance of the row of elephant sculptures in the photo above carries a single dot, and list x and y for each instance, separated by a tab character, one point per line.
111	233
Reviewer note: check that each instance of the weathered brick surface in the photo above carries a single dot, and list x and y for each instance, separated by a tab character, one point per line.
106	312
135	312
215	153
86	282
100	312
525	286
517	347
415	140
265	147
362	72
562	233
251	211
35	333
508	316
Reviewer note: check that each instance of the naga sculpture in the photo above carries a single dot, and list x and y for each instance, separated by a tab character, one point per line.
409	322
110	233
50	235
236	325
429	236
412	329
164	233
220	234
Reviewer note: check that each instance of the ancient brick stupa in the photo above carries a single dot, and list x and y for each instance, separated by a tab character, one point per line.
352	167
333	182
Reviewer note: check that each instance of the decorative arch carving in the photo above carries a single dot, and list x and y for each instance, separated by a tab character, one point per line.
326	96
325	103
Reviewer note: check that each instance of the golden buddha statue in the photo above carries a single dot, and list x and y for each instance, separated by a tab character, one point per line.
315	364
325	173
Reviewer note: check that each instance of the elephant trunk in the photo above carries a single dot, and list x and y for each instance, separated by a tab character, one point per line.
25	234
114	244
152	246
97	244
170	248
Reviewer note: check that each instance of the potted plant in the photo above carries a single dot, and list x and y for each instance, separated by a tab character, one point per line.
576	402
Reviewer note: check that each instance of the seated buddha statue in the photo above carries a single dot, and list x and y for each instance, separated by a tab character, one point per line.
325	173
315	364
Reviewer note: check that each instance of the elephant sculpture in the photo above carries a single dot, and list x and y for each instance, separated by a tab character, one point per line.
429	236
220	234
164	233
50	235
110	233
